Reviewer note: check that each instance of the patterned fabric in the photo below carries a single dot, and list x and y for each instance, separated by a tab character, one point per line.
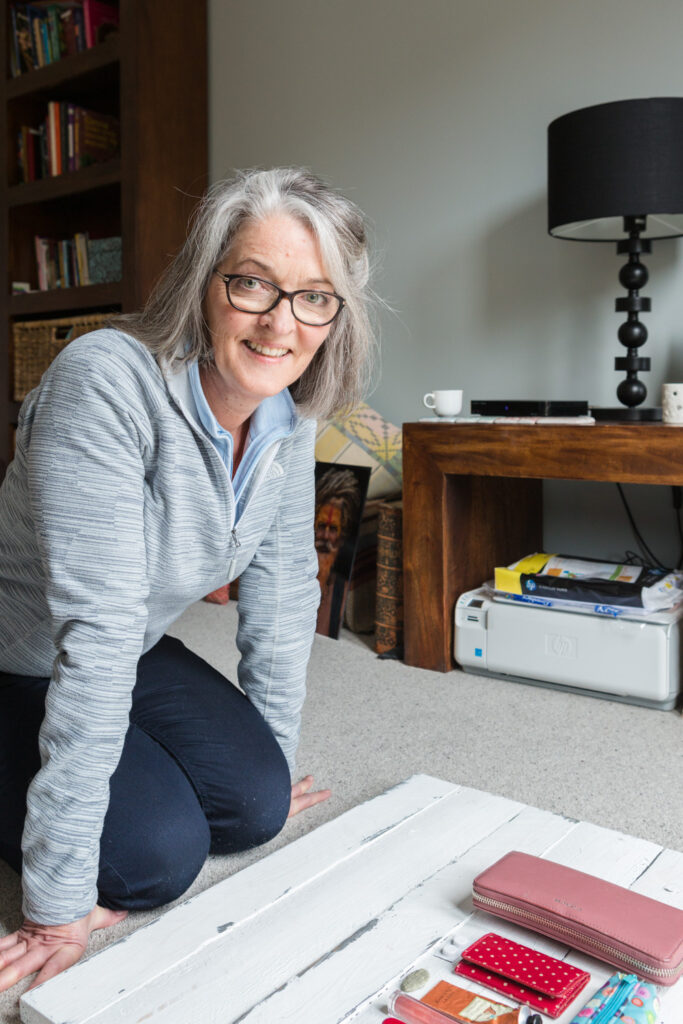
116	514
521	973
624	999
364	439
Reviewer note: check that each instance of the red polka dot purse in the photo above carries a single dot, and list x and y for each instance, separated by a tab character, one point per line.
522	974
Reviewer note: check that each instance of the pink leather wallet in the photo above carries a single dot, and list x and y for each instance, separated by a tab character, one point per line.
522	973
621	927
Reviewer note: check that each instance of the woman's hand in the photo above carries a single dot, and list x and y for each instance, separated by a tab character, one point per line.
49	949
301	798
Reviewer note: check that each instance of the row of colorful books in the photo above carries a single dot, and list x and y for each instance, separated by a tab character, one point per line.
81	260
45	31
68	139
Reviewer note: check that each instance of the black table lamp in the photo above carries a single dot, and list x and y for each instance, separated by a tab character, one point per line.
615	174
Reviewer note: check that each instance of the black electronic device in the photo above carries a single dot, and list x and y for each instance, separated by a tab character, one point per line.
530	407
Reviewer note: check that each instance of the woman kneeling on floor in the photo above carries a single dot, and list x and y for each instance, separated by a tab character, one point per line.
157	460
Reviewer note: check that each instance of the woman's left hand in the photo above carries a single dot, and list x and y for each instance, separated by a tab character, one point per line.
301	798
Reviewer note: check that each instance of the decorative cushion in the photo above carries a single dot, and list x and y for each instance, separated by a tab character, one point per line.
364	438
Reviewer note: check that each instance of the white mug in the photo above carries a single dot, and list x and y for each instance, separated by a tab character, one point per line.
672	403
444	403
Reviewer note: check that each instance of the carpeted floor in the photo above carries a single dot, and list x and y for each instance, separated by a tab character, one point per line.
368	724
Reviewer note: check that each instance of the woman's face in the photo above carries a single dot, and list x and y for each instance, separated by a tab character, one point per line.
259	354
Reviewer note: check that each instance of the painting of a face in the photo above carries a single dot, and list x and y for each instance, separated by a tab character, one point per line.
340	495
329	532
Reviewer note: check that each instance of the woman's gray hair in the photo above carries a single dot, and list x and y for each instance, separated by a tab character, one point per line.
172	323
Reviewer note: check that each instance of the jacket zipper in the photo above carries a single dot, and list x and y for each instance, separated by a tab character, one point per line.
623	992
660	972
262	468
236	546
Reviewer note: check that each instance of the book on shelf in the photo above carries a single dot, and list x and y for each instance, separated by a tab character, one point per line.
96	137
69	138
105	260
72	30
31	153
81	258
24	58
77	261
100	18
48	30
53	138
389	598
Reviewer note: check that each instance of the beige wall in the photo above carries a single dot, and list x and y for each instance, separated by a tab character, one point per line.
432	116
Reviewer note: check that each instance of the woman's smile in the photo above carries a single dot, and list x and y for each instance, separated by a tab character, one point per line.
264	350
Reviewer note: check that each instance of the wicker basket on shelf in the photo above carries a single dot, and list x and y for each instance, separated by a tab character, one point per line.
37	342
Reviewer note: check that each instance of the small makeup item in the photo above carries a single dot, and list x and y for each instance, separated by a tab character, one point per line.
623	998
413	1011
522	974
448	1004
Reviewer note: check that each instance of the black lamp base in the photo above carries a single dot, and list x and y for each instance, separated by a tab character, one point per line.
623	415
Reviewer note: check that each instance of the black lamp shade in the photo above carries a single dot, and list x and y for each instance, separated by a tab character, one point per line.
616	160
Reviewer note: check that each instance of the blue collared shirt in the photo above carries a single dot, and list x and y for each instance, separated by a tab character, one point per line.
272	420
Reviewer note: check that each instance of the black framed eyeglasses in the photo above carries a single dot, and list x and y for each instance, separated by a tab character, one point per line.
251	294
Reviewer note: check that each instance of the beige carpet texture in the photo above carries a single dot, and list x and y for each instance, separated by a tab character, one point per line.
369	724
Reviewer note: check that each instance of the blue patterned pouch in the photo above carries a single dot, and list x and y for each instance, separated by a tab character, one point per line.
624	999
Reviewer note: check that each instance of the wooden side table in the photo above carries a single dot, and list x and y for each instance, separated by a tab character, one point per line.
472	500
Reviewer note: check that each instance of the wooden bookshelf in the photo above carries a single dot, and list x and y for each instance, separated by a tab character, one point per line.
84	299
67	71
152	75
72	184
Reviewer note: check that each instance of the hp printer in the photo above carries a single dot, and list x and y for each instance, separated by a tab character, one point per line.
633	656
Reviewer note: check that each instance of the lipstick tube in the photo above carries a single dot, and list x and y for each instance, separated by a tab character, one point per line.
412	1011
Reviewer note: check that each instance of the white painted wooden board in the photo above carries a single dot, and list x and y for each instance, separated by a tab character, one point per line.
197	928
321	930
414	924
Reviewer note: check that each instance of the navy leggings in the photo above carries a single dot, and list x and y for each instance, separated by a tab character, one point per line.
200	772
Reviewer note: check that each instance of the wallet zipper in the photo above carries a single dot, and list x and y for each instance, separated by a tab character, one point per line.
623	991
661	972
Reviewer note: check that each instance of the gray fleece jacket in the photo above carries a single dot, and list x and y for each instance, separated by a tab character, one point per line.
116	514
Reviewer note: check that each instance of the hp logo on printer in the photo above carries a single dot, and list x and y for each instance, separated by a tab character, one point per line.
561	646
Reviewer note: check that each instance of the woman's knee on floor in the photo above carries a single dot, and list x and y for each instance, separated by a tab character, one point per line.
257	809
155	837
139	872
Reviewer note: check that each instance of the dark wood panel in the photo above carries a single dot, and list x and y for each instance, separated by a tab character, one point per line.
424	558
66	185
645	453
489	521
94	296
456	530
164	148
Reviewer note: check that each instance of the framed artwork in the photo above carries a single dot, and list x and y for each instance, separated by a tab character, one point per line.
340	493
